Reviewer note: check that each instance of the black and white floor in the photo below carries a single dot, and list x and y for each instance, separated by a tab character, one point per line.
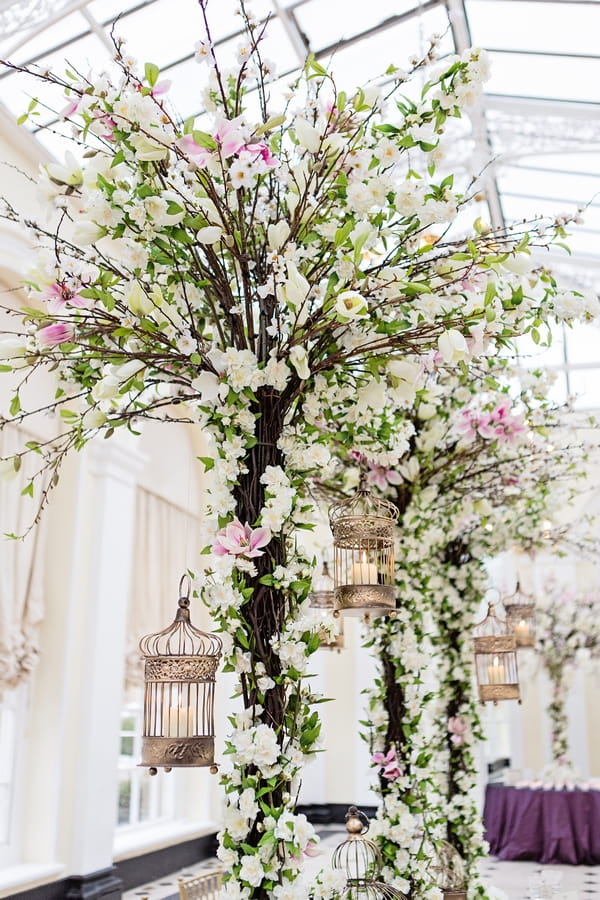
512	880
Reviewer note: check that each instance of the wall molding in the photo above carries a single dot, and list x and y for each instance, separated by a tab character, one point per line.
109	884
331	813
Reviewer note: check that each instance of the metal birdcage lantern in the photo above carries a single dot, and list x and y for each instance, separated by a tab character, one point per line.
450	871
361	860
520	616
496	659
179	696
322	599
363	538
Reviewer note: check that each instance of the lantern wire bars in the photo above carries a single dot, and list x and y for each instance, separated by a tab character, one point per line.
322	599
179	676
450	871
496	659
363	539
360	859
520	616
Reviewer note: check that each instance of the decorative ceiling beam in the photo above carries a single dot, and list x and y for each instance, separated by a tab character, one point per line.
459	23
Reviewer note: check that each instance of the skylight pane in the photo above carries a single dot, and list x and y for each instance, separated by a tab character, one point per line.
583	344
584	387
107	10
565	27
542	76
325	23
65	30
533	356
542	184
367	58
155	37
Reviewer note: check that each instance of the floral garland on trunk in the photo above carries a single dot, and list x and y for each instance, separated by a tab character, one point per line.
463	585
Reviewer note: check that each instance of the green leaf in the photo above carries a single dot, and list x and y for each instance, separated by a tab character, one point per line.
208	462
15	405
343	232
204	139
269	125
27	490
151	72
316	68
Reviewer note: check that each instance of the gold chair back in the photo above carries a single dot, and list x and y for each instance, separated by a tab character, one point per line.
201	887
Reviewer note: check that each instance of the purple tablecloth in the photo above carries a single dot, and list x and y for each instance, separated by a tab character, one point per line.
548	826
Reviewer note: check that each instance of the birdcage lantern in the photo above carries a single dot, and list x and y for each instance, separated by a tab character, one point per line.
363	529
450	871
322	600
359	858
496	659
180	664
520	616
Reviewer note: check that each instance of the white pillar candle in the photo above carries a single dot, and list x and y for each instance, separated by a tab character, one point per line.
176	719
496	672
364	572
522	630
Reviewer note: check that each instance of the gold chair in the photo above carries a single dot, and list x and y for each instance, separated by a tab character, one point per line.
201	887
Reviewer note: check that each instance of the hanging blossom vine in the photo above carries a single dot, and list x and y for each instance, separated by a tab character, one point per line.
245	271
567	633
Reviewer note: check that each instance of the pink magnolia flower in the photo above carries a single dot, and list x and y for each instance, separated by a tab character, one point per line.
109	125
467	425
263	151
71	107
388	764
161	88
53	335
59	295
458	728
229	135
357	456
382	477
241	540
201	155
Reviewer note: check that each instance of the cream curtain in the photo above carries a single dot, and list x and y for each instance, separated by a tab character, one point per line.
21	568
166	544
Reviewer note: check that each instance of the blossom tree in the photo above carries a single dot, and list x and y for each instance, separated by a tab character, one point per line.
479	477
567	629
243	271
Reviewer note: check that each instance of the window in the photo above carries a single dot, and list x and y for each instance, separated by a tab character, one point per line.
142	798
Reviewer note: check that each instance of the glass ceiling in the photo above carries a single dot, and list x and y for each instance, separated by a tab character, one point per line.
539	120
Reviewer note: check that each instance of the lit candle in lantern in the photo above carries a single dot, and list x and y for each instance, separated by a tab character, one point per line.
177	719
364	572
496	672
175	716
522	631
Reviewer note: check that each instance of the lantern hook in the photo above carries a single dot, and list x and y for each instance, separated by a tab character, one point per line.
184	598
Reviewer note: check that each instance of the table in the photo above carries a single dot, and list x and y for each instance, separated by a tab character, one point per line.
549	826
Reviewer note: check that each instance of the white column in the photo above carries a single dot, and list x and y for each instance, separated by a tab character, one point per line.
578	729
86	635
365	674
